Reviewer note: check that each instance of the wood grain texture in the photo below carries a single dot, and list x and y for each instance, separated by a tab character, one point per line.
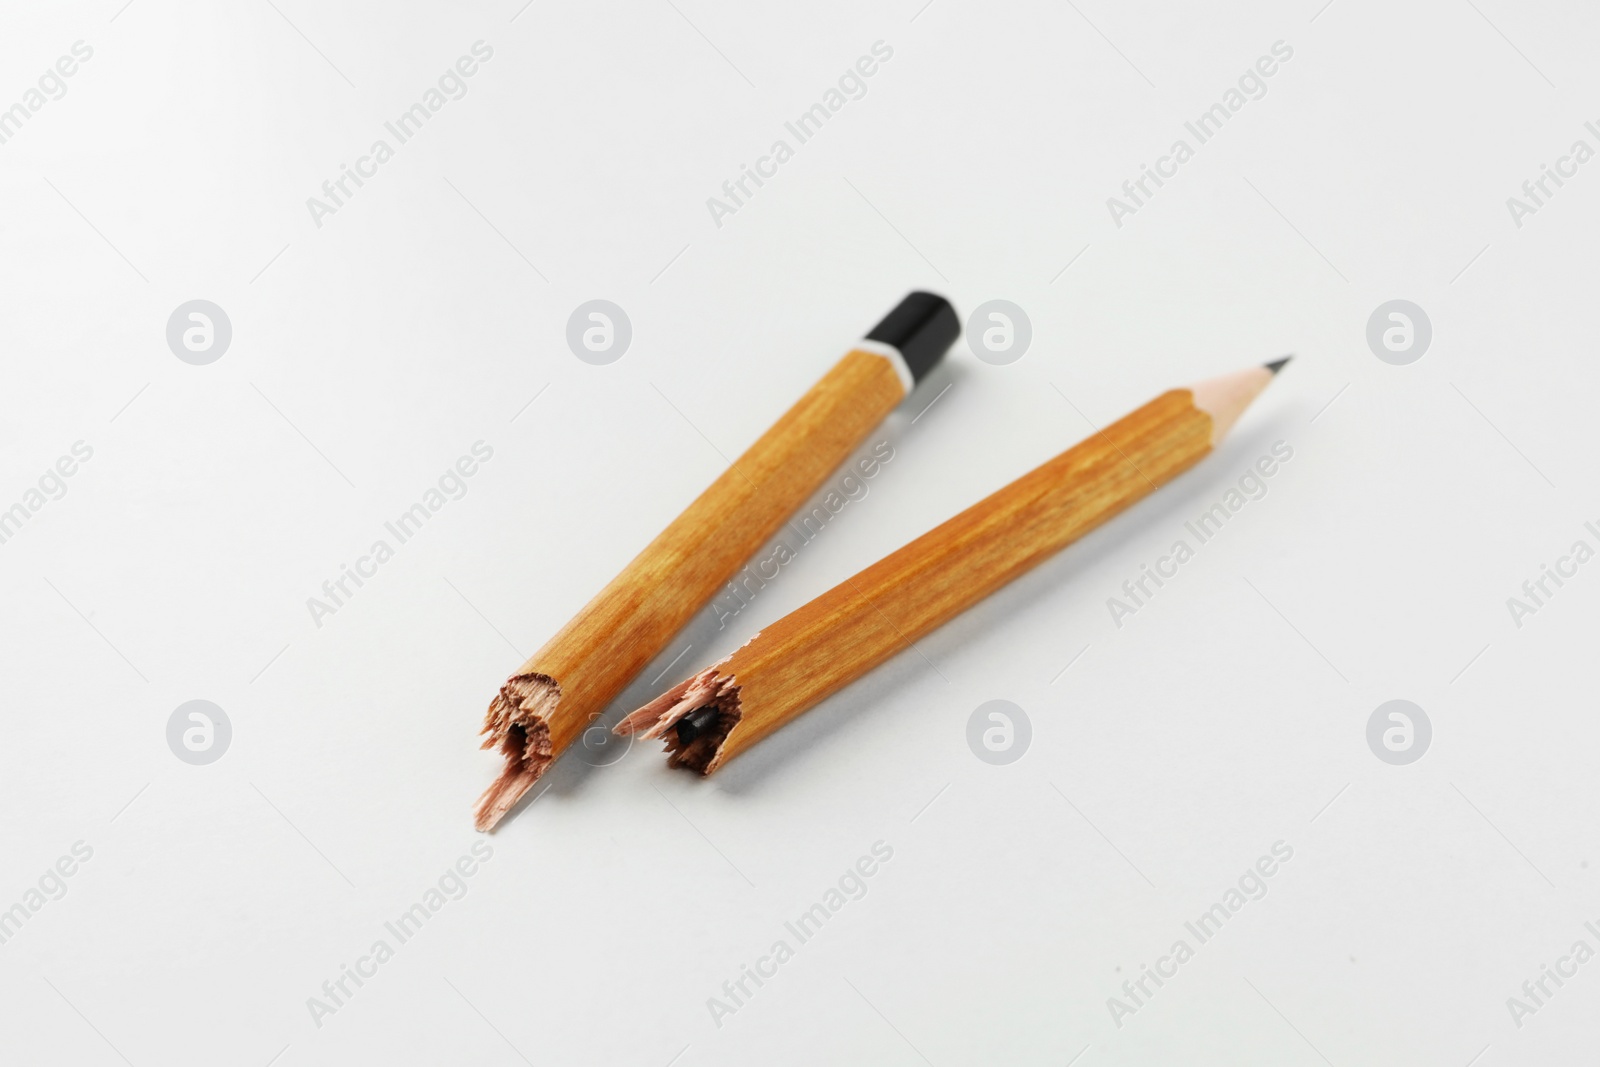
802	658
595	655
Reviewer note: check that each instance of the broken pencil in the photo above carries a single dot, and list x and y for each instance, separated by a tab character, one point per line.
553	697
812	652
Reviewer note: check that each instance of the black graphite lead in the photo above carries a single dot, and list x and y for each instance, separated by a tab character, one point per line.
696	724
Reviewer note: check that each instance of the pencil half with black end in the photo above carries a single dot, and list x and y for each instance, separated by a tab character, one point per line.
796	662
552	698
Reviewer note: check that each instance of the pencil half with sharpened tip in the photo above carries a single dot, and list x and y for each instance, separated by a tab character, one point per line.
814	651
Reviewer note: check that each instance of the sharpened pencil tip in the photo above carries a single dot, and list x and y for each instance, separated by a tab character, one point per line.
1226	397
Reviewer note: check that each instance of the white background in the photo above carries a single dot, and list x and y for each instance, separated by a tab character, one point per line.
369	353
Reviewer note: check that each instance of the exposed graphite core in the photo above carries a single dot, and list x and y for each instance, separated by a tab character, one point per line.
1277	365
694	718
518	724
696	724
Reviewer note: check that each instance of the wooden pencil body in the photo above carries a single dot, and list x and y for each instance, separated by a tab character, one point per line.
631	620
822	646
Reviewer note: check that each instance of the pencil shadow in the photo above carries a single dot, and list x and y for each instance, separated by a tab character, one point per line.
809	737
813	734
